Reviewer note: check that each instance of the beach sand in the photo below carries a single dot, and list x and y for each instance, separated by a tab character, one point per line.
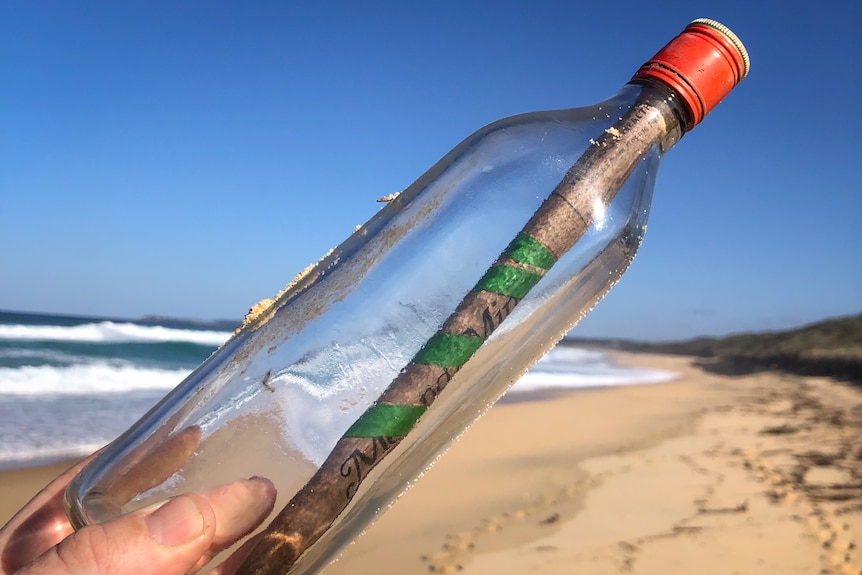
707	474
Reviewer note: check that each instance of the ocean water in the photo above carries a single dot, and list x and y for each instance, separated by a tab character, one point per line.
69	385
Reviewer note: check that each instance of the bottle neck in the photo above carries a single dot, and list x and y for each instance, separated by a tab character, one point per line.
669	105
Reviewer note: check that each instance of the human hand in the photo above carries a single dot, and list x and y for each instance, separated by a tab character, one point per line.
179	537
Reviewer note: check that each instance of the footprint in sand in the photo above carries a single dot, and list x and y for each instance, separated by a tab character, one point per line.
814	480
455	550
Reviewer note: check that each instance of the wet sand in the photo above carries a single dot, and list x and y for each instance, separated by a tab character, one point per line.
18	486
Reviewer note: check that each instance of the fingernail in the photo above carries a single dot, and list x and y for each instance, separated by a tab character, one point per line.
176	522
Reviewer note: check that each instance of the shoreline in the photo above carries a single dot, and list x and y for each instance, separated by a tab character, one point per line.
47	461
20	480
707	473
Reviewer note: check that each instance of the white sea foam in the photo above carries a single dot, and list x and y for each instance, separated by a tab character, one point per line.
86	379
111	332
15	456
570	367
84	405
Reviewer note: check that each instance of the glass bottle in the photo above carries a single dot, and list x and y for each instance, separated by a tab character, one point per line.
344	387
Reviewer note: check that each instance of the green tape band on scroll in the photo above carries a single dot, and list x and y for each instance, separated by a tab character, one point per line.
526	249
508	281
385	420
448	350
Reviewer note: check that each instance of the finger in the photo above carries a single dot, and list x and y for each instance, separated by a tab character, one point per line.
183	534
157	464
39	525
168	540
239	508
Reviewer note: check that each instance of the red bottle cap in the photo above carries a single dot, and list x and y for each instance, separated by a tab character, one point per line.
701	65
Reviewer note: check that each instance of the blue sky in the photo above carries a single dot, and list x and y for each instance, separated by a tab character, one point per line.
187	158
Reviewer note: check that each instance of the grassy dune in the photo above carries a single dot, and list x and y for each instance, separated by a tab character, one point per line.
831	347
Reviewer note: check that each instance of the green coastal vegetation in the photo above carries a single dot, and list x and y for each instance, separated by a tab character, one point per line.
832	347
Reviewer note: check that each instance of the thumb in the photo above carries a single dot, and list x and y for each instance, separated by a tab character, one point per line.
167	541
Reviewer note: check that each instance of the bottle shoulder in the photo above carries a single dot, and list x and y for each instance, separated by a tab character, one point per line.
596	116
